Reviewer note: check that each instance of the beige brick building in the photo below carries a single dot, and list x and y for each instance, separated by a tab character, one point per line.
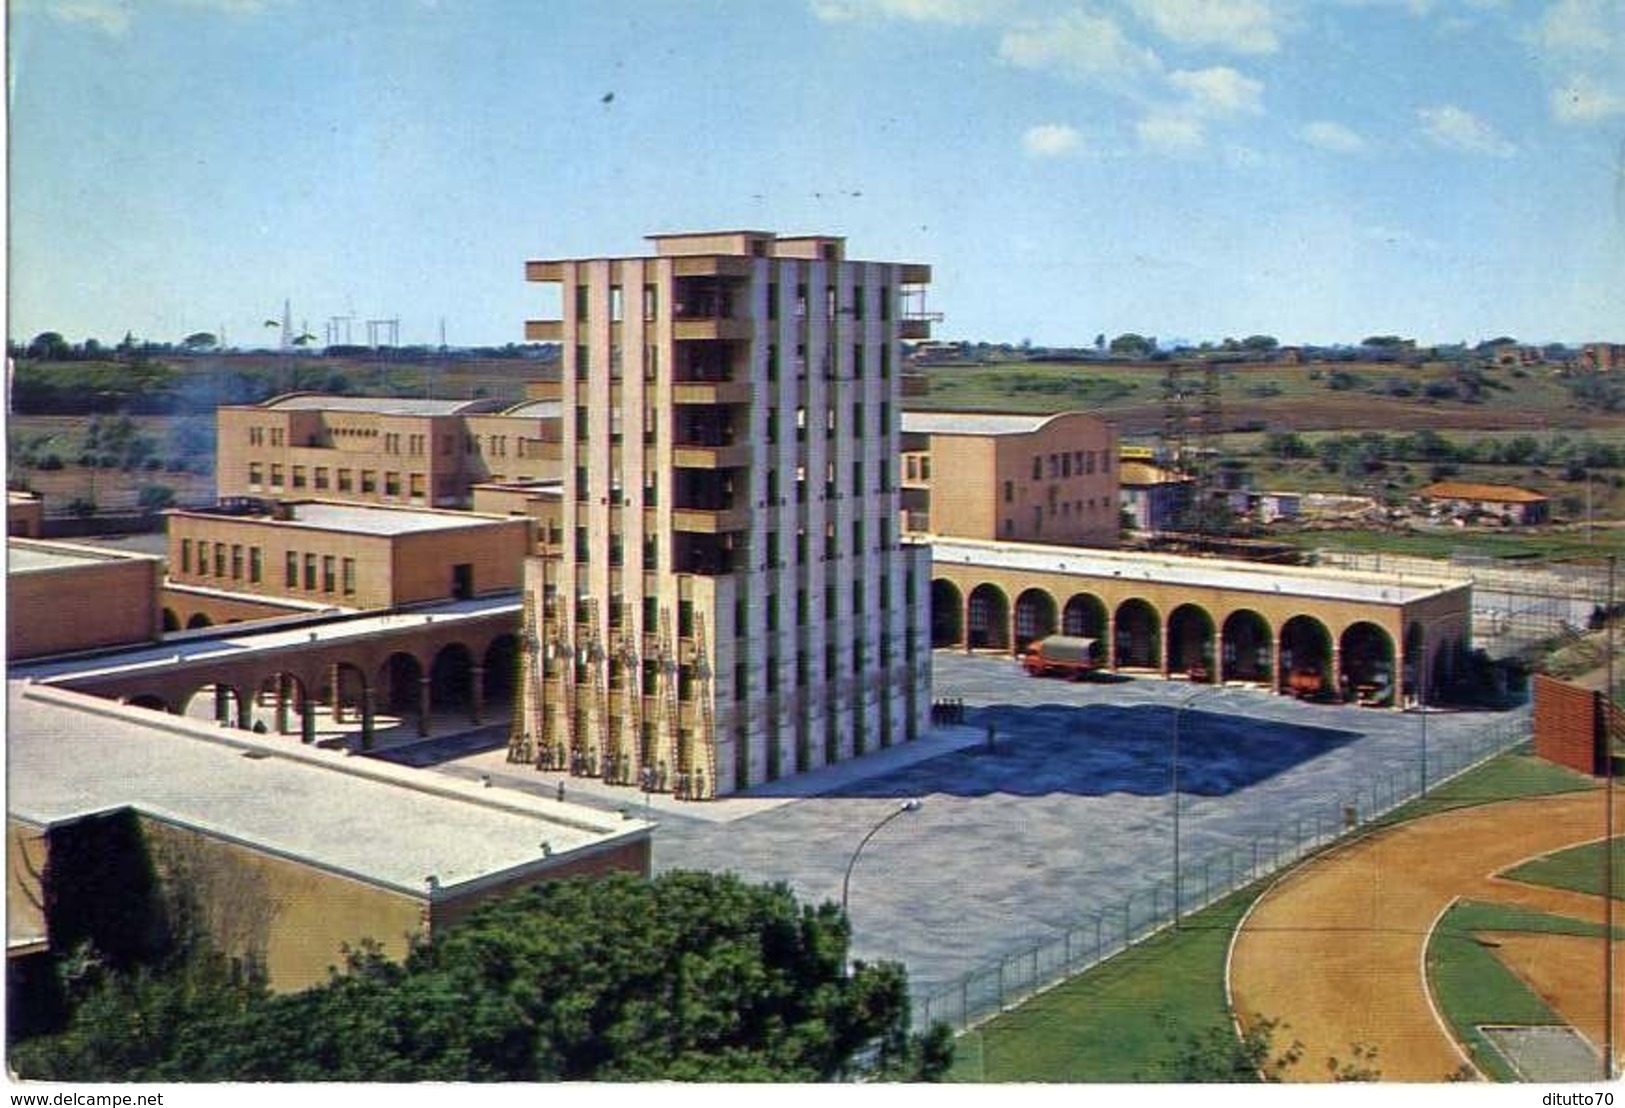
380	450
346	555
729	603
61	598
1019	478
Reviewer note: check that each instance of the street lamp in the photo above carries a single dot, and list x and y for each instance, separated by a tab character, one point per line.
1179	713
911	805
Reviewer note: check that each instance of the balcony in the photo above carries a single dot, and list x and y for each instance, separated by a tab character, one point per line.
544	330
544	272
711	392
699	328
701	456
710	521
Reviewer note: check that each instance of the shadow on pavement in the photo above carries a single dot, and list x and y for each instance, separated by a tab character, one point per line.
1096	750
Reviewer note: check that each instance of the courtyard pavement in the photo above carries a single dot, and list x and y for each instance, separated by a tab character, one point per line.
1065	816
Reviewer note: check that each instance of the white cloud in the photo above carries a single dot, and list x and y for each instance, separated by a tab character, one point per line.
913	11
1245	26
1219	91
109	16
1451	128
115	17
1584	100
1329	135
1171	134
1581	26
1051	140
1080	45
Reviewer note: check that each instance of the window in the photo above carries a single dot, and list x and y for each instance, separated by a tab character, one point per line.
1066	465
911	466
256	564
1105	461
219	559
236	561
186	555
772	300
392	484
650	302
291	576
773	361
347	567
298	477
369	480
581	483
925	468
685	619
857	478
582	422
276	475
883	425
857	302
582	363
418	484
276	436
581	303
392	443
310	572
1009	491
321	477
617	304
329	565
346	480
581	543
651	614
1038	468
256	436
651	552
256	474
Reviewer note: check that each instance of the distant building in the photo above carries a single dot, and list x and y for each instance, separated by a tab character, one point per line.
1505	503
346	555
1022	478
1602	357
62	598
1154	498
380	450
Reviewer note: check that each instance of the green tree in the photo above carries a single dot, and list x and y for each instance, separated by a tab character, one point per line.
1134	346
689	977
155	498
200	340
1260	343
49	346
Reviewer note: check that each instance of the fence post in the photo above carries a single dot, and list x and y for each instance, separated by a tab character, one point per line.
1001	984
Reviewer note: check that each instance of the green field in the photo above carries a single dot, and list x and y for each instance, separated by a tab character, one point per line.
1579	869
1472	985
1133	1018
1534	545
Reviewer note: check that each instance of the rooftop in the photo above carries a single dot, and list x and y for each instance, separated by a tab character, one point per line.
972	423
537	409
71	755
1212	573
378	405
355	519
26	556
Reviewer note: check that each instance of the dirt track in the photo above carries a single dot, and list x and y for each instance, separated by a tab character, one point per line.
1336	949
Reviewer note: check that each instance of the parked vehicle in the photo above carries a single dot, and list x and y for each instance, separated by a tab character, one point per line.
1062	655
1305	683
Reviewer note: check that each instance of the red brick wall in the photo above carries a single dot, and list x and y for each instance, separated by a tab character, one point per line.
1568	724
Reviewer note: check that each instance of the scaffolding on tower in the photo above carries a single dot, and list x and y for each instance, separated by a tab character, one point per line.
704	786
527	710
667	744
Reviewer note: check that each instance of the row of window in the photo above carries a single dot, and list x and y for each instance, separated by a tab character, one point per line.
318	478
651	303
326	573
1068	462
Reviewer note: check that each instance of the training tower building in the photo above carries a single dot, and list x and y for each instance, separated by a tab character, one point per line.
731	603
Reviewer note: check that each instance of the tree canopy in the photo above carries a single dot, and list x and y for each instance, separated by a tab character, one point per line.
689	977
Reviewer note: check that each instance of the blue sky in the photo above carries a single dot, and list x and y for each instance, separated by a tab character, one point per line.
1319	170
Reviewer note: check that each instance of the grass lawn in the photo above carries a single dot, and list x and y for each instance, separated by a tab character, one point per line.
1125	1020
1130	1018
1578	868
1473	987
1442	544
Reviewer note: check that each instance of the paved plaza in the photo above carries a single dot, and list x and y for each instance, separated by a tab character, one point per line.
1066	815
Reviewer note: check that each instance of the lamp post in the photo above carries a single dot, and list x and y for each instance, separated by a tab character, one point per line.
911	805
1179	714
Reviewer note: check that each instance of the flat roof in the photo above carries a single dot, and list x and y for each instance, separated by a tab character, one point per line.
1173	569
378	405
972	423
361	519
26	556
71	755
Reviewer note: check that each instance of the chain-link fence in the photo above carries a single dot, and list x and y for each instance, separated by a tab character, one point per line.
1002	984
